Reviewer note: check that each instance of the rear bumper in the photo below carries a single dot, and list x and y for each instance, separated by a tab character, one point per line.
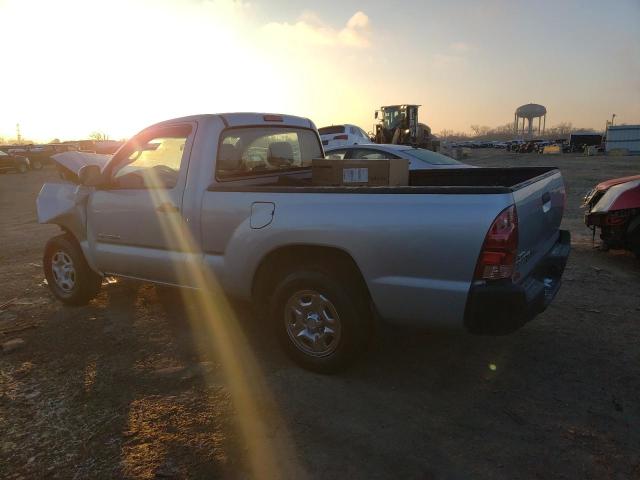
503	307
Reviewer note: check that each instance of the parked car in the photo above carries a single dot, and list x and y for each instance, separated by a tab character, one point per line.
24	151
40	155
614	207
419	158
538	145
338	135
230	197
12	162
514	145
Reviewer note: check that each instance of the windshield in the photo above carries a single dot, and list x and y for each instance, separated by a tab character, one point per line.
331	130
392	117
432	158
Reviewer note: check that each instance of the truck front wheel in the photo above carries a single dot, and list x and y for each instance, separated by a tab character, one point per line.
321	322
70	278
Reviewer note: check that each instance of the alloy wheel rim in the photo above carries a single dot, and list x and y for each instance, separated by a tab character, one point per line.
64	273
312	323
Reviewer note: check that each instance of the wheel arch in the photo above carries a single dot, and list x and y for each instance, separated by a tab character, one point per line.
273	264
71	234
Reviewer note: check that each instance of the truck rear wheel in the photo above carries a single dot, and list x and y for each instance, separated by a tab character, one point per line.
321	322
70	278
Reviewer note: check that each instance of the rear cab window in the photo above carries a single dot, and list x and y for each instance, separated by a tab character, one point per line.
332	130
253	151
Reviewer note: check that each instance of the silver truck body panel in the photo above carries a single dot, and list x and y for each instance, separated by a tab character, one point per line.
392	239
417	252
539	206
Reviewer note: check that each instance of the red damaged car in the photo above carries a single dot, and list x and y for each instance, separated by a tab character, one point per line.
614	206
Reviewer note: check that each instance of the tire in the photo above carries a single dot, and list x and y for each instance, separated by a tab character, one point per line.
323	304
36	165
70	278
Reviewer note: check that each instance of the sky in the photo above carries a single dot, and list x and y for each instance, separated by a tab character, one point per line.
72	67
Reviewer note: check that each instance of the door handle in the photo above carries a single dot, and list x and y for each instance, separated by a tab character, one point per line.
108	236
167	208
546	202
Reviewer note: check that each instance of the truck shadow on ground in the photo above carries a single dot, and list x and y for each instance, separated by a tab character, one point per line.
147	403
123	379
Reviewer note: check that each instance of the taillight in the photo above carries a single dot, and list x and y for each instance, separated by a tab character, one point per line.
341	137
498	256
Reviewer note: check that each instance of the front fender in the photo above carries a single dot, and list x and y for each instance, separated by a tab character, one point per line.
65	205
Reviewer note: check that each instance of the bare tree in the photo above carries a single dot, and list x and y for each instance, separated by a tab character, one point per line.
452	135
561	129
16	141
480	130
446	134
99	136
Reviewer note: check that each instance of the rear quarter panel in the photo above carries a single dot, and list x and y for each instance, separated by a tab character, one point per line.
417	252
538	229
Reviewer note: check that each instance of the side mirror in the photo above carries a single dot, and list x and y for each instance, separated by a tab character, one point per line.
90	175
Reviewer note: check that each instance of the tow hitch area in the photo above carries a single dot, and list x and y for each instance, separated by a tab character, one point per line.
502	307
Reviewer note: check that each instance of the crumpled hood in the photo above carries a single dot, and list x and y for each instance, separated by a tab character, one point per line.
616	181
74	161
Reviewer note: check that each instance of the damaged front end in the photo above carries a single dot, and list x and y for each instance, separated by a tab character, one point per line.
64	203
614	207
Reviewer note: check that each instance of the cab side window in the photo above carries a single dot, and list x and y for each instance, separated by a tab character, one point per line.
153	161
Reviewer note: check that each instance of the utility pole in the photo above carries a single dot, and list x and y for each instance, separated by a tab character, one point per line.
18	137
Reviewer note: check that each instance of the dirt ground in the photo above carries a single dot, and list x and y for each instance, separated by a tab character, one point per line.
118	389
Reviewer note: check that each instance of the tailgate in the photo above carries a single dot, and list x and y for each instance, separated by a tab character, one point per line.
540	205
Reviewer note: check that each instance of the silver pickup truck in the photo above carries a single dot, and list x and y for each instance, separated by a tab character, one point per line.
477	249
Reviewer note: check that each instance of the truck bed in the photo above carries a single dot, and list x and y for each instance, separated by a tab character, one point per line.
442	181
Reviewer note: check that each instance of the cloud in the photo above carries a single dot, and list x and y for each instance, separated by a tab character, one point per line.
311	30
460	47
444	60
454	56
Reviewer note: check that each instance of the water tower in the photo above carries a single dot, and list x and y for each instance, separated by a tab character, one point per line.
529	112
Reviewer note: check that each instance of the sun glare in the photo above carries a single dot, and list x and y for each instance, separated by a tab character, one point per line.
119	66
216	326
